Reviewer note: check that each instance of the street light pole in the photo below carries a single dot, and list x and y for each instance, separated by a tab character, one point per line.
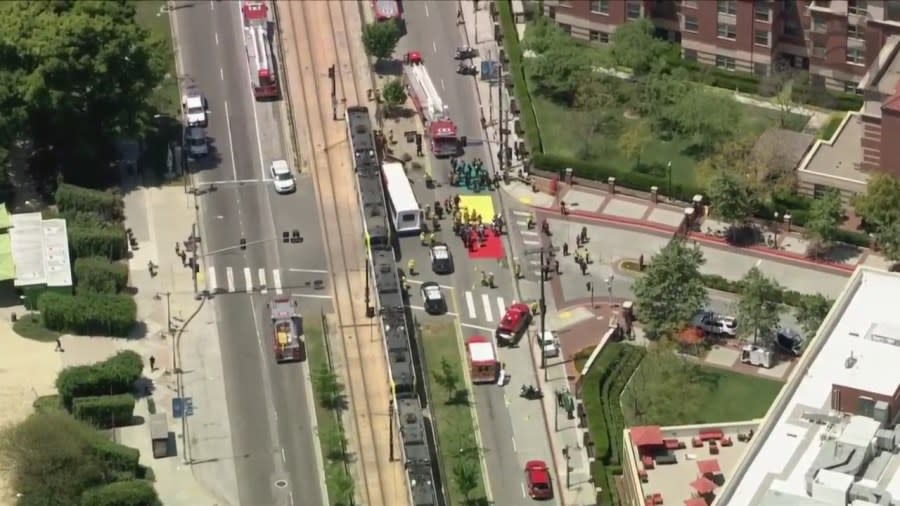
391	427
669	171
543	301
609	288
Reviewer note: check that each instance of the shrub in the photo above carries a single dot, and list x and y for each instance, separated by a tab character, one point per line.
88	314
119	458
108	242
513	49
114	376
99	275
860	239
71	198
104	411
122	493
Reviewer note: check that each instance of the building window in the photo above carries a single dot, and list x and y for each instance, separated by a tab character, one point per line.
599	37
600	6
690	54
724	62
761	37
761	11
856	56
689	3
727	7
855	32
865	406
761	69
566	28
819	25
818	49
892	11
727	31
858	7
690	23
792	28
633	10
851	87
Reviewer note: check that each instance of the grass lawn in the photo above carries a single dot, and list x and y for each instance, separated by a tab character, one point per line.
30	328
729	397
166	98
326	419
453	420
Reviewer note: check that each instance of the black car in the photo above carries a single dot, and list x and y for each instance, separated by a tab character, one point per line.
433	299
790	341
441	259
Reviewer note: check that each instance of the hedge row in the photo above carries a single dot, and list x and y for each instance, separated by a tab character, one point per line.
106	241
115	375
99	275
104	411
71	198
784	296
122	459
122	493
88	314
513	49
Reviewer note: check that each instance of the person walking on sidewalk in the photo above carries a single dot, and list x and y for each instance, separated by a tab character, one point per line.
152	363
58	346
459	15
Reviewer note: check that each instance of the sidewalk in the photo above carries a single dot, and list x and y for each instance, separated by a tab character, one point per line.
563	433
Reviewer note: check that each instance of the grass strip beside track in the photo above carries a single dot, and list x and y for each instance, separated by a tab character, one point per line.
451	412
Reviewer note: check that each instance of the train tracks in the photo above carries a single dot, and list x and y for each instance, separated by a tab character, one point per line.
318	32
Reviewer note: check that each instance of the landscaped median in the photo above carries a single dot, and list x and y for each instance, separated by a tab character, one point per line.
451	412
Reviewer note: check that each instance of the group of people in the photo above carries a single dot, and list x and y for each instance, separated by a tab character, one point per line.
472	175
469	226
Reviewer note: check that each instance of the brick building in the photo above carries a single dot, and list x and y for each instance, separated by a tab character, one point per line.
834	40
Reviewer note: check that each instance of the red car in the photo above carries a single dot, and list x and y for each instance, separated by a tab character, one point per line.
513	324
537	480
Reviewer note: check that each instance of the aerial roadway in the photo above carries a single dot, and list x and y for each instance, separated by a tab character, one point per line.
241	199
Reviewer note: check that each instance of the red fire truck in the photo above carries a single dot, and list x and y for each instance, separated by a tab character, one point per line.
287	329
386	9
439	128
482	357
258	46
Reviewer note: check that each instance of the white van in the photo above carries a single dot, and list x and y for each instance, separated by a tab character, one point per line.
549	343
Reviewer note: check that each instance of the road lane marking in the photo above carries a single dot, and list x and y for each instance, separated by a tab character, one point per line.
419	282
313	271
263	289
470	305
248	280
417	308
276	280
213	287
515	448
426	10
501	306
217	39
525	495
283	458
420	308
526	214
488	314
522	223
262	168
231	141
311	296
534	262
759	262
433	44
476	327
221	73
442	85
536	273
532	243
529	232
239	182
229	275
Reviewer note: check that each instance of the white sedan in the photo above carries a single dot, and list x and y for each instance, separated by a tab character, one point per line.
282	178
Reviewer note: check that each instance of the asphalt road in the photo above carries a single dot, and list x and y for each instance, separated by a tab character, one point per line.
272	431
432	31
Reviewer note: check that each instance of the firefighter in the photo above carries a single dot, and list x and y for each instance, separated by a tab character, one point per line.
431	239
535	308
565	249
403	282
456	199
556	267
584	237
583	268
422	238
411	267
428	212
438	210
490	280
562	208
517	269
545	227
530	220
484	278
435	224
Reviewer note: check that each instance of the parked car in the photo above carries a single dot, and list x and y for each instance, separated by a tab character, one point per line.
712	323
549	344
433	298
513	324
282	177
441	259
197	143
790	341
194	106
537	480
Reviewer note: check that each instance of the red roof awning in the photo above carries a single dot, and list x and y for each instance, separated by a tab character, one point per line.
697	501
648	435
703	486
709	466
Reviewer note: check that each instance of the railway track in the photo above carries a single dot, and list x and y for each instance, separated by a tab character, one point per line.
320	39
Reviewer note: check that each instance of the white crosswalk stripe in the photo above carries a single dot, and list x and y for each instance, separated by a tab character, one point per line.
248	280
229	274
276	280
532	243
522	213
488	314
470	305
501	307
263	288
213	286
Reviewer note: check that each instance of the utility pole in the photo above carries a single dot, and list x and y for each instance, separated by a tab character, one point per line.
568	467
500	123
370	311
609	288
195	267
332	74
168	310
391	427
543	302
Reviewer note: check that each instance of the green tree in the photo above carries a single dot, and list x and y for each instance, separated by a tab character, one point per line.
825	216
889	241
559	70
335	442
663	389
466	477
880	205
342	489
671	291
394	94
633	140
448	378
732	198
328	386
380	39
657	91
758	309
122	493
633	45
707	118
811	311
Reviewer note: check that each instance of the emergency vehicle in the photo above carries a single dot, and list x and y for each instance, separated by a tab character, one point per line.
513	324
258	46
440	130
287	329
483	364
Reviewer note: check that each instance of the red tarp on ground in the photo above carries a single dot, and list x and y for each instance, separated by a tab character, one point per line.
709	466
703	486
648	435
492	248
697	501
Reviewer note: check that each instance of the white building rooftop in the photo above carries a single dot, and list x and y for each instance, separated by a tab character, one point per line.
40	250
857	346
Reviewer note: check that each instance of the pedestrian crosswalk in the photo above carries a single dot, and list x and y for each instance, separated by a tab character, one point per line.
484	307
263	281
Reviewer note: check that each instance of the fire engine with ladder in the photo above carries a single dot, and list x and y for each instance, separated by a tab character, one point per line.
439	128
287	328
386	9
258	46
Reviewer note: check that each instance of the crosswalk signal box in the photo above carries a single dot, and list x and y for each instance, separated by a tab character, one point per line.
243	244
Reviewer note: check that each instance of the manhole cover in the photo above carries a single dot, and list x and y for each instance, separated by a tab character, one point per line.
281	483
